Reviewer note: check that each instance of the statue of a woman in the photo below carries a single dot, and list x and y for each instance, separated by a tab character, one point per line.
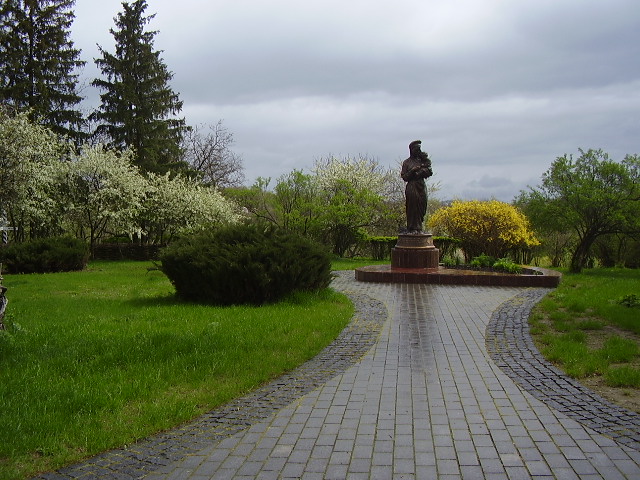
414	171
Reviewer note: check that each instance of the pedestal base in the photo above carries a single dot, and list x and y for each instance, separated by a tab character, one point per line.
415	251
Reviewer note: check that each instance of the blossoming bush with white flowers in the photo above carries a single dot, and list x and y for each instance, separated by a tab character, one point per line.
48	188
174	205
100	190
27	154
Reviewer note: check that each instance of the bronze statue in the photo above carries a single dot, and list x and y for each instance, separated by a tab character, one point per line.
414	171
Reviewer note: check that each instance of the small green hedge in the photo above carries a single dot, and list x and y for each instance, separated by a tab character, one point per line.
46	255
447	246
244	264
380	247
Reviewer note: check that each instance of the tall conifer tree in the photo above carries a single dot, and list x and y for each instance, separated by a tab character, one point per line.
39	65
137	104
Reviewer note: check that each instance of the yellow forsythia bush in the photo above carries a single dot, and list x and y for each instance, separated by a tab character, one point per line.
490	227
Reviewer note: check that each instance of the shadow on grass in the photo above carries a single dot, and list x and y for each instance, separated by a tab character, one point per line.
166	300
173	300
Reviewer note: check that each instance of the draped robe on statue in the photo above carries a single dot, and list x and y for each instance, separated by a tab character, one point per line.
414	171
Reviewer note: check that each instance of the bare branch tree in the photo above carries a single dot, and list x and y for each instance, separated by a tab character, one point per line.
209	152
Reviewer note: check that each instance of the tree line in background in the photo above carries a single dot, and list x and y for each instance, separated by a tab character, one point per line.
49	187
132	168
138	109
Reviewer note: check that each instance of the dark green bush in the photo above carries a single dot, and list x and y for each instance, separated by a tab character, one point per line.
506	265
46	255
240	264
631	300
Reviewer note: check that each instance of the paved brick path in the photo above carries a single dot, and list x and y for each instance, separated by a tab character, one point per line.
451	389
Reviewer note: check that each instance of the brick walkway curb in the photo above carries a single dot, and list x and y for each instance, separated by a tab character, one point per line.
511	347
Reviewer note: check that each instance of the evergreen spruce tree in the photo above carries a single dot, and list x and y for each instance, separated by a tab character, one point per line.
39	63
137	103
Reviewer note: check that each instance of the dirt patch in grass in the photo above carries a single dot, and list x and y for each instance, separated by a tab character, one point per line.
627	397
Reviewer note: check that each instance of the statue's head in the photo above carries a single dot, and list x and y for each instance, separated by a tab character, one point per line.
414	147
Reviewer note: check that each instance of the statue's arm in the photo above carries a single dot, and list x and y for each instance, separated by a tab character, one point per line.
408	172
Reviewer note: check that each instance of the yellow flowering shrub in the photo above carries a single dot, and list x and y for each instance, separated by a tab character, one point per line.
490	227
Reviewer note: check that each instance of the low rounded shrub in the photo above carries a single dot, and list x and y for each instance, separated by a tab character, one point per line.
506	265
483	261
252	264
46	255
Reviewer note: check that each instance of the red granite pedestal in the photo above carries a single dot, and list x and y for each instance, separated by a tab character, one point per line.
415	251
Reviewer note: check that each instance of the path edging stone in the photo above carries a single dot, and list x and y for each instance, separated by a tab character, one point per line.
509	343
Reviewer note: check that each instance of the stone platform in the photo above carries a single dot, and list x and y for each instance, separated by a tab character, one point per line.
446	276
415	259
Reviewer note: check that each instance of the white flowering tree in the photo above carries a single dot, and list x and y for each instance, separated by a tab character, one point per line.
101	191
28	153
357	198
361	172
47	188
175	204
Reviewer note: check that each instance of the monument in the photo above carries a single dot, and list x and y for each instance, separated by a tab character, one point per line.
415	259
415	248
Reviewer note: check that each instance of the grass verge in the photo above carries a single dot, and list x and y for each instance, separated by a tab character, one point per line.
97	359
586	328
353	263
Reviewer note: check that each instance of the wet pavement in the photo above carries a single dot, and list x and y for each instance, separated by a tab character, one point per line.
428	381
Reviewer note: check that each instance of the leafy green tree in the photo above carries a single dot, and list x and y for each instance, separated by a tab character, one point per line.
339	204
39	63
137	106
295	198
292	204
617	250
592	196
256	201
353	200
347	215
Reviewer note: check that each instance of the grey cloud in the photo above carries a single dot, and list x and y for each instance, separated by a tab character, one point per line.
494	89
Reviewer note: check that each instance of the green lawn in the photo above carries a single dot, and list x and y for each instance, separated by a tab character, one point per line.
584	328
97	359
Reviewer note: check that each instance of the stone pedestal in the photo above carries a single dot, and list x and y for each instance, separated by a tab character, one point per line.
415	250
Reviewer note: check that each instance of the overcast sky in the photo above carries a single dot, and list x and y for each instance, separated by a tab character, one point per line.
496	90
